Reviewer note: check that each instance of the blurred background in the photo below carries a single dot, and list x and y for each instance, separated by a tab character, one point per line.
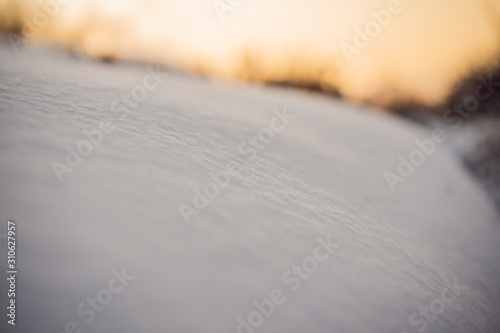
417	58
418	54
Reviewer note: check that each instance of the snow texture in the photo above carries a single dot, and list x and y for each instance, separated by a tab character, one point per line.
322	175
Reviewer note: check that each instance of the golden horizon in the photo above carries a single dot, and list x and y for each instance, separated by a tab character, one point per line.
379	51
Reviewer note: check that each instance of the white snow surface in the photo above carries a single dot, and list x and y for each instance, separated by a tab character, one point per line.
323	175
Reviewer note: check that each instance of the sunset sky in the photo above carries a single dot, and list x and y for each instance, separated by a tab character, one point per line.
417	52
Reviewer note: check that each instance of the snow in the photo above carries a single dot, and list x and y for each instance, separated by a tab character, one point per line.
322	175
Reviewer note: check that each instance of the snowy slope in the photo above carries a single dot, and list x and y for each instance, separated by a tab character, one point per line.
323	174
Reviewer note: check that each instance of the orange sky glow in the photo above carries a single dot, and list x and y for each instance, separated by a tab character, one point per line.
379	51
